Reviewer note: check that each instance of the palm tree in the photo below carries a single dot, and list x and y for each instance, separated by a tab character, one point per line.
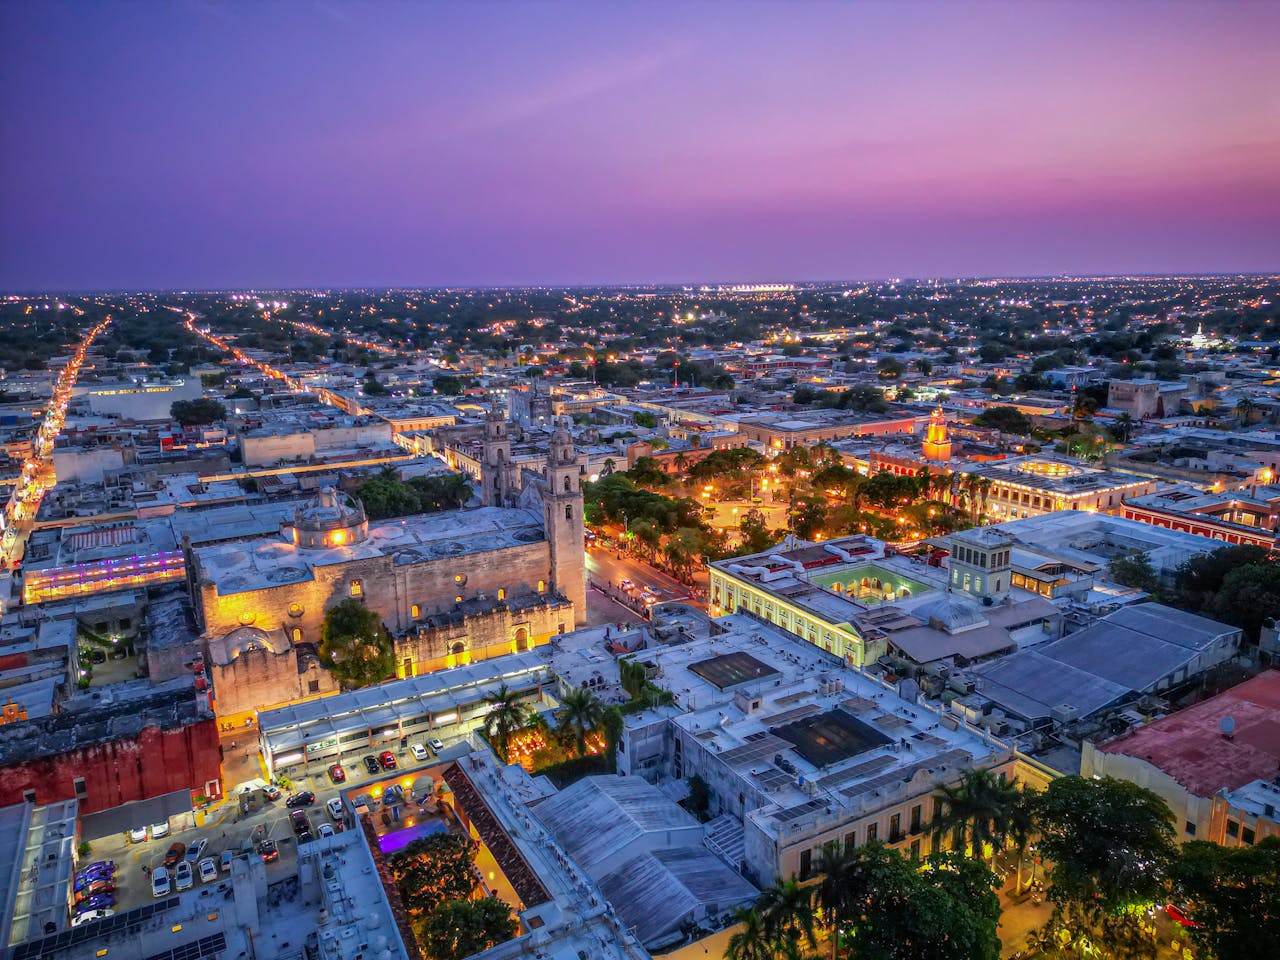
977	809
1125	424
833	893
751	942
1019	829
786	910
609	465
1244	407
506	715
580	710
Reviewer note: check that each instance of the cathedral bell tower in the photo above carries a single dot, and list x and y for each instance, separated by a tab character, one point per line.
562	514
936	445
495	473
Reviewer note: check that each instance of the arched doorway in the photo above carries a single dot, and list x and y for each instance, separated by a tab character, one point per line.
522	639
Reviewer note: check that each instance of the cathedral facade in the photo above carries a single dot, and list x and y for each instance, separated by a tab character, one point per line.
451	587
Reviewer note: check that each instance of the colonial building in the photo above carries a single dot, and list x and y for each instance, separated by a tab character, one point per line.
451	587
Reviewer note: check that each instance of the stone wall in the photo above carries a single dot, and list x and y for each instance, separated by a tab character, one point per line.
446	642
257	679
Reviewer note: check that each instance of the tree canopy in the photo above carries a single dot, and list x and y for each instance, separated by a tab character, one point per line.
198	412
454	931
1005	419
355	645
386	495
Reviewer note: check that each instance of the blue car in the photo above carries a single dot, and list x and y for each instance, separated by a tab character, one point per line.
99	901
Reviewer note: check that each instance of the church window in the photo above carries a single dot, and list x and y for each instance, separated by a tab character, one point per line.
542	586
246	617
459	647
408	667
357	588
296	635
502	593
313	686
458	598
568	512
295	609
459	578
566	484
415	611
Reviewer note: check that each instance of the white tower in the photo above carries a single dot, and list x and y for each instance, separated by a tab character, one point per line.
562	513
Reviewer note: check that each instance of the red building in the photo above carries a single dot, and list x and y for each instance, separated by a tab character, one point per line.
132	749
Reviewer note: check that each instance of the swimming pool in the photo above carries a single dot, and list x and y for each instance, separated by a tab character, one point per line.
399	839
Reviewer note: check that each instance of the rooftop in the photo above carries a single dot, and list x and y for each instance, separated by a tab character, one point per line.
1191	747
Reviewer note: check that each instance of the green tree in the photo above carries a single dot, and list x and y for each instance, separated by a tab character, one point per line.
454	931
192	413
448	385
355	645
786	910
1005	419
1199	579
699	801
1134	569
1110	843
751	942
1249	596
1233	893
756	536
581	711
977	809
506	715
434	870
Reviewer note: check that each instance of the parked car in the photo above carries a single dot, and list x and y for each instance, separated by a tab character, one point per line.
305	836
208	870
371	764
88	916
182	878
174	853
300	822
303	799
334	807
99	901
160	829
337	774
94	887
419	751
267	850
226	858
138	835
436	744
196	849
325	830
160	882
272	791
387	759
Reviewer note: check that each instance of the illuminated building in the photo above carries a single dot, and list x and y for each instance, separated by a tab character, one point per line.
936	445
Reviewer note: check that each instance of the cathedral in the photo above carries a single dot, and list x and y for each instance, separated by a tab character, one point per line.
452	587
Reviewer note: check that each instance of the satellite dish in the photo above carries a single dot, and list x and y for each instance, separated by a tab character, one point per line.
1228	726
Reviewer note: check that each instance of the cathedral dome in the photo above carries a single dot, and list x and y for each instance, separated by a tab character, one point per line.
330	519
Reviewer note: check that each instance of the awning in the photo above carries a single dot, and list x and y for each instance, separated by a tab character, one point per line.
139	813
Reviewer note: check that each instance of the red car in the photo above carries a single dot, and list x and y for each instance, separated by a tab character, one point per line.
387	759
175	853
1179	916
337	774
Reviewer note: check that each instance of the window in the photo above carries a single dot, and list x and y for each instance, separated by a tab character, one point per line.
296	634
566	484
415	611
408	666
1189	829
895	828
81	792
851	839
915	849
28	796
502	593
872	831
1233	829
915	818
313	686
1247	835
568	511
357	588
542	586
806	864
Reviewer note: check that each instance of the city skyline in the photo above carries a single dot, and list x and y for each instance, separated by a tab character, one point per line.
211	146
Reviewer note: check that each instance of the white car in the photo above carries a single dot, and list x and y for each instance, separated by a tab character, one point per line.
159	830
325	830
436	744
91	915
419	751
138	835
160	882
208	870
195	849
334	807
182	878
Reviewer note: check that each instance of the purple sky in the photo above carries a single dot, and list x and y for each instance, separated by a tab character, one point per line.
211	144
